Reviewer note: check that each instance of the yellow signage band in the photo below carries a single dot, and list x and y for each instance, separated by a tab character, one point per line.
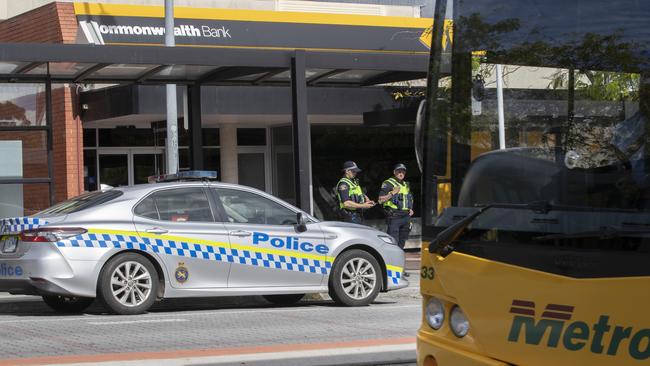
145	11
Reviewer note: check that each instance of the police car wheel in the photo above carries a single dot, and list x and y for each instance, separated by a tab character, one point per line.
355	279
288	299
68	304
128	284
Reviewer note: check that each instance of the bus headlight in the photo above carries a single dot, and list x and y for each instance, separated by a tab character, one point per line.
458	322
435	313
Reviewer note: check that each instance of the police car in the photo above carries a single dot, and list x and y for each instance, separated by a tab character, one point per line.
189	236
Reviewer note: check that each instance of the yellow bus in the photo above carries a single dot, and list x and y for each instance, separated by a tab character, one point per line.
536	184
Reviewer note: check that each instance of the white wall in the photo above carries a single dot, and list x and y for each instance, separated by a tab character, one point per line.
11	8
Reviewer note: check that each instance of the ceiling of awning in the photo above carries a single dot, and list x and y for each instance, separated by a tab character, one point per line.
185	65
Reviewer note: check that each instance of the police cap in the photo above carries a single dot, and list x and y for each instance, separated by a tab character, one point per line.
399	166
350	165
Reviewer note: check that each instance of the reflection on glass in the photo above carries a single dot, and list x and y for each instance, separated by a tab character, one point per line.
251	170
113	170
22	105
146	165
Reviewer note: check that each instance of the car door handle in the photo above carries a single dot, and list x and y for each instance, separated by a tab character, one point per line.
240	233
157	230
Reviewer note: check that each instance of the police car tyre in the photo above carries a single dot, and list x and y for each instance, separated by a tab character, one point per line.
128	284
288	299
355	279
68	304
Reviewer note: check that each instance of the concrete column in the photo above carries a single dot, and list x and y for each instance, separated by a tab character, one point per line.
228	150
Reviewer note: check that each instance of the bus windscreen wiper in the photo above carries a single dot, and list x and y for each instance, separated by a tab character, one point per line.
442	244
606	232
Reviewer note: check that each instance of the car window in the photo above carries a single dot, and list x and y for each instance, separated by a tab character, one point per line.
179	204
247	207
82	202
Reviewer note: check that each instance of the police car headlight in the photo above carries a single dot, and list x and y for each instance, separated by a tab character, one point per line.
435	313
458	322
387	239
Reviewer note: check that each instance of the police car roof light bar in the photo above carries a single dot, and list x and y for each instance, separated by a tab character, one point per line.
187	175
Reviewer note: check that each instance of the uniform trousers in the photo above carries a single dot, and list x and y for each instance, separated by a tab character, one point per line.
399	226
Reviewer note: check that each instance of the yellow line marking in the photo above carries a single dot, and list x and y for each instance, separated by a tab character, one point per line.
394	268
286	253
81	8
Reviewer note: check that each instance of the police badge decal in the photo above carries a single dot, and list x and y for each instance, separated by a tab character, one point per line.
181	274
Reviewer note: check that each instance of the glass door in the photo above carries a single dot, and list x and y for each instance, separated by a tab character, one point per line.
252	167
125	167
282	163
145	164
114	168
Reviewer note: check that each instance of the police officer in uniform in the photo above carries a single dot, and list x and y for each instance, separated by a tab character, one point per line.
395	195
351	198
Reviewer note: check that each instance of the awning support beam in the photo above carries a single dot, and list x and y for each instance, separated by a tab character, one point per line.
313	80
149	73
301	132
82	75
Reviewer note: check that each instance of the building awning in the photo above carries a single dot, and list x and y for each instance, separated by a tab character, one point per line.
67	63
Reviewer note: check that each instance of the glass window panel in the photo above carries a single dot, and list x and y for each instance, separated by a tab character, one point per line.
60	68
354	75
90	137
22	105
250	77
247	207
23	199
146	165
183	72
90	170
126	136
251	170
183	205
251	136
113	169
9	67
122	70
28	151
147	208
210	136
212	159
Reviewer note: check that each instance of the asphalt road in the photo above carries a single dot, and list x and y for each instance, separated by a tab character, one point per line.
241	331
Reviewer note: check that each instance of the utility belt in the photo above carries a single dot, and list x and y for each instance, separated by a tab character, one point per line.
351	212
393	213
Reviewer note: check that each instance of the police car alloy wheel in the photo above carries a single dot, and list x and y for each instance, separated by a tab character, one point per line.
355	279
128	284
288	299
67	304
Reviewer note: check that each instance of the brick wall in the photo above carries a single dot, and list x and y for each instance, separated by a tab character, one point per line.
51	23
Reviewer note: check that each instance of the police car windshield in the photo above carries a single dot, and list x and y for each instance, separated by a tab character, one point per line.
81	202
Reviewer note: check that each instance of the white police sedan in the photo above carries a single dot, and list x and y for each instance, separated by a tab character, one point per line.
189	237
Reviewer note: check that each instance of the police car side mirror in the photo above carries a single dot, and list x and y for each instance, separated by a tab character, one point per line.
301	224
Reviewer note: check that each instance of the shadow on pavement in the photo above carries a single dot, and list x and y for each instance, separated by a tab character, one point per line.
36	307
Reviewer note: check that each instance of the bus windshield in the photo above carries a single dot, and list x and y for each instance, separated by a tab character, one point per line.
545	101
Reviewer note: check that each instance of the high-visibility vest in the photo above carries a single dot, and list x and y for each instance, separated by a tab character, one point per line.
403	200
354	192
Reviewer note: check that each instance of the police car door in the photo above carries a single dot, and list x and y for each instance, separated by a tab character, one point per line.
266	248
180	225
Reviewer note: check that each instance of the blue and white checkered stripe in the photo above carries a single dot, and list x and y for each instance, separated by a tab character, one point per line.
15	225
199	251
394	276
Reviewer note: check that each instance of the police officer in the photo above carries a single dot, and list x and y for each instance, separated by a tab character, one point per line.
351	198
395	195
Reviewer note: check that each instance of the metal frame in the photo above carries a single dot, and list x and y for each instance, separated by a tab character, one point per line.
228	63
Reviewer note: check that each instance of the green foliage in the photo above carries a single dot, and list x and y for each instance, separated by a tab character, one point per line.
600	85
